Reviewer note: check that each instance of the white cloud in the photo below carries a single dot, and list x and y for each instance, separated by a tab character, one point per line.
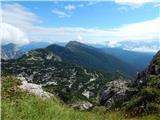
144	49
79	38
17	15
136	3
112	43
12	34
60	14
69	7
90	3
24	20
139	31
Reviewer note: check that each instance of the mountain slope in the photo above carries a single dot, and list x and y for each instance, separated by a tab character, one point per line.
140	97
68	81
10	51
35	45
78	53
19	104
146	90
138	59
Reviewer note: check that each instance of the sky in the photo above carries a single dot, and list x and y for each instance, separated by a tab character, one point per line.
108	22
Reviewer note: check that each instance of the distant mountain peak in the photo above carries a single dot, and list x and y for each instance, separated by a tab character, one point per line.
72	43
10	51
53	45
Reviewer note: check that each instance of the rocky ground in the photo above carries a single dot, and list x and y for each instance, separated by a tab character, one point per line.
82	88
140	96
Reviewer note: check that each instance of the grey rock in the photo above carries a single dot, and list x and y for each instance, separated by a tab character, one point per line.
34	88
83	105
142	76
114	93
10	51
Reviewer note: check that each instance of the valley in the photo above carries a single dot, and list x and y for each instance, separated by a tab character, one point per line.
63	72
80	59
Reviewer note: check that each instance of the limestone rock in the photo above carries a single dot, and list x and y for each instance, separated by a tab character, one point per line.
114	93
34	88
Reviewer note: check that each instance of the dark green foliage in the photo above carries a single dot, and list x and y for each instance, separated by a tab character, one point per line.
69	80
138	59
94	58
146	99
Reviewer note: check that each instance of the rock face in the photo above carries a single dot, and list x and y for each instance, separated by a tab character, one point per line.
71	82
34	88
146	89
10	51
141	96
152	69
114	93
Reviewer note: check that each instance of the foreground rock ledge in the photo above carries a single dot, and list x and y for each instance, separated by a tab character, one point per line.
34	88
114	93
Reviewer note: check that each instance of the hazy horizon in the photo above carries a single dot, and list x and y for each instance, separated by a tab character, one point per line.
131	25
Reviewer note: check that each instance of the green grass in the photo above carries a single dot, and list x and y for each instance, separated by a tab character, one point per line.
20	105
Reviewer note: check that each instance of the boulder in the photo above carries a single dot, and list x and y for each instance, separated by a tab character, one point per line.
34	88
114	93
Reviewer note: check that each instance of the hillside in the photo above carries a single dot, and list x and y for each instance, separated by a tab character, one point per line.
94	58
70	82
146	90
140	97
77	53
79	87
138	59
17	104
10	51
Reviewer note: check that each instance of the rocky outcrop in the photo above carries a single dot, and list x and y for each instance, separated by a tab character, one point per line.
34	88
152	69
70	82
10	51
141	96
114	93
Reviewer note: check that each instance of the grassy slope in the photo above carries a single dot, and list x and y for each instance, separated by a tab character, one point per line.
20	105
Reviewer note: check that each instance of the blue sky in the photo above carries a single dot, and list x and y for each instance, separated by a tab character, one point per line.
99	15
86	21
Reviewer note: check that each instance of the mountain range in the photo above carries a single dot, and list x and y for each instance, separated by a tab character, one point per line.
103	59
70	82
82	75
139	59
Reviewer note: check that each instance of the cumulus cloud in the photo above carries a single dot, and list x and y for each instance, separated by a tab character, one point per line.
79	38
139	31
18	15
69	7
23	22
12	34
60	14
